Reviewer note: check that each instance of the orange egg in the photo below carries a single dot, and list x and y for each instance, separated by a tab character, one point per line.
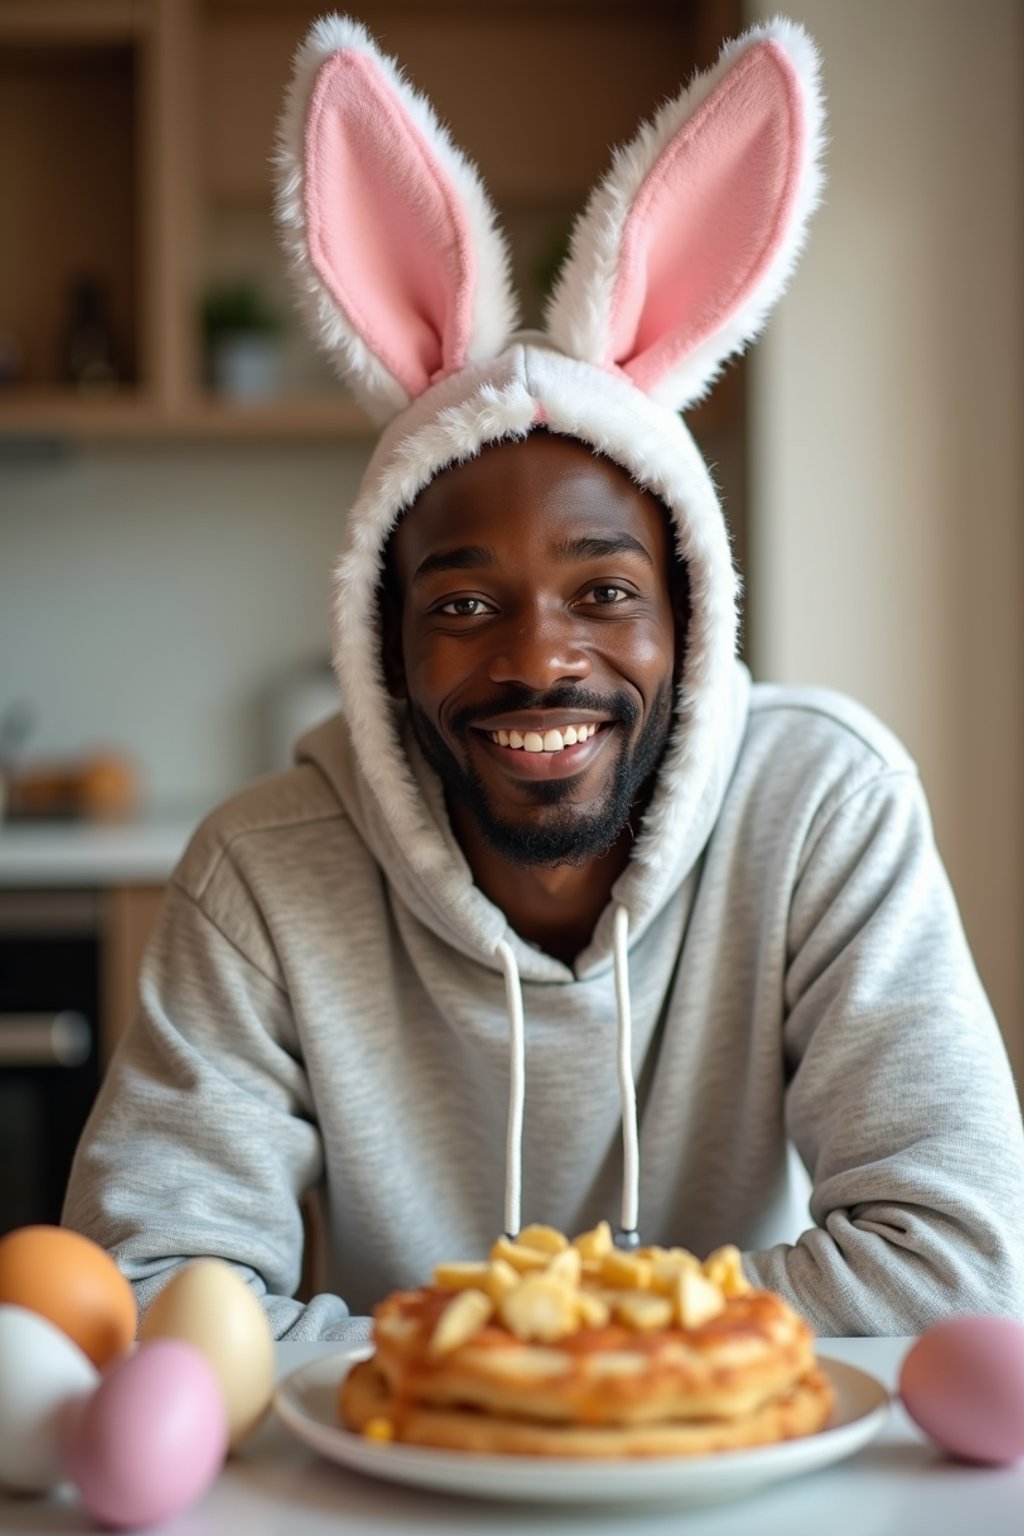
71	1281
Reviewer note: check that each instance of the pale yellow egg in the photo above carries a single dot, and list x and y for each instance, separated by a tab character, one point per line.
209	1306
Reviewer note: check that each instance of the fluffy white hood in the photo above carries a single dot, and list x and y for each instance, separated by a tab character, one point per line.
675	263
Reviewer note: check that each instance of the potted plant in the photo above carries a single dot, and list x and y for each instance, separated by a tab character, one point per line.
241	330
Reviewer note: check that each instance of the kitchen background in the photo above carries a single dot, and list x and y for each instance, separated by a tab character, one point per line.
175	462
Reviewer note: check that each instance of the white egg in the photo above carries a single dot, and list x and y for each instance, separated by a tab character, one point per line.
42	1374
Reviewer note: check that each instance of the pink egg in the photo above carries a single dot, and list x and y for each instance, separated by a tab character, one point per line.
152	1437
962	1382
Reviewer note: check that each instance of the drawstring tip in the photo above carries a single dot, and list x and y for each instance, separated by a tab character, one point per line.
627	1238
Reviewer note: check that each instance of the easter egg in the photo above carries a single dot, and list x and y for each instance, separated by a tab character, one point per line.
962	1382
208	1305
42	1375
73	1282
151	1439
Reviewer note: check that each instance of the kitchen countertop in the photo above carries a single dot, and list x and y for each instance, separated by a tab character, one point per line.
898	1483
81	853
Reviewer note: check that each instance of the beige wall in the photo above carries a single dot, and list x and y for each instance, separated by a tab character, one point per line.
152	597
887	538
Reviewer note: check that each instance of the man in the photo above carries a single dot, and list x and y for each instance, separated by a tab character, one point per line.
562	918
535	595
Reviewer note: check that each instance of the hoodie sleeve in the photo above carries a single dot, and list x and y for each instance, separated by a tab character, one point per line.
213	1048
901	1101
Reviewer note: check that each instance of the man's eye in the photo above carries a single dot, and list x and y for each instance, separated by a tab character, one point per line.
464	607
606	596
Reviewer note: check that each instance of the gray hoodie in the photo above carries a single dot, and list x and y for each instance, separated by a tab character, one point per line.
316	1014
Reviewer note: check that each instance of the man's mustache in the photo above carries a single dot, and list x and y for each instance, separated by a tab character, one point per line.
617	706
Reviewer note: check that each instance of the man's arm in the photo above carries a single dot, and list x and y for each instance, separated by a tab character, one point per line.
900	1099
203	1139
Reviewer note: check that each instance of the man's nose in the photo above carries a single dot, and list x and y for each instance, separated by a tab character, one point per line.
539	652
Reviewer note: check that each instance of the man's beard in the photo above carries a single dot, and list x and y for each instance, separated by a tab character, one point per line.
573	836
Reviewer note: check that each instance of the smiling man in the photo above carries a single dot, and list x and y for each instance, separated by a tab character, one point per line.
533	620
562	917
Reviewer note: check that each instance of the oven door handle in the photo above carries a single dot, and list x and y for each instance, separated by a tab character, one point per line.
45	1039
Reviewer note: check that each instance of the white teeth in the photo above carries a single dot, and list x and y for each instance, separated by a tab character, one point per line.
549	741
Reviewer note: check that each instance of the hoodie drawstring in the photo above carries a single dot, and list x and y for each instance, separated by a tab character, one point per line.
628	1234
516	1090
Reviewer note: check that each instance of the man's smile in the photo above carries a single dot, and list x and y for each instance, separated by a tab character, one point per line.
551	739
547	751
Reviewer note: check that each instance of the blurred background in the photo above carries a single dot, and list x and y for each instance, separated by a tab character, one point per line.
176	461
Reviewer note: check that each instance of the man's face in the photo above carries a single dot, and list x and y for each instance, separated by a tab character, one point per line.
536	607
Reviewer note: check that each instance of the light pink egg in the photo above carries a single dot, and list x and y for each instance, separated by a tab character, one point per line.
151	1439
962	1382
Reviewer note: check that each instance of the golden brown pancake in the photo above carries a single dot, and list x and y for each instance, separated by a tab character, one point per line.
754	1349
366	1400
550	1351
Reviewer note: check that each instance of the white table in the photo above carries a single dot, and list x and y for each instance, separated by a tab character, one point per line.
899	1485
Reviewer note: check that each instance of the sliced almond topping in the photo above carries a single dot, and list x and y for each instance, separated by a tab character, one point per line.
462	1319
608	1294
567	1266
541	1307
458	1276
592	1311
500	1277
521	1256
696	1300
533	1284
643	1311
724	1268
625	1269
595	1243
546	1238
670	1264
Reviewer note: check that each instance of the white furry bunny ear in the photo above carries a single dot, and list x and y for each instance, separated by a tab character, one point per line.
401	268
692	235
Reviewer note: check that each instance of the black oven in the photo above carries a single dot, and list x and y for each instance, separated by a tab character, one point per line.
49	1044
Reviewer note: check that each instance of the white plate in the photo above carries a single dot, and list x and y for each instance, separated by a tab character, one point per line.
307	1403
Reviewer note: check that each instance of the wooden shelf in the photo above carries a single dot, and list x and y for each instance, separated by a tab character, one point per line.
148	126
70	418
67	417
69	22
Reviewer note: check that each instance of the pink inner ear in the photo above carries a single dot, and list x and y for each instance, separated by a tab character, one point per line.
709	217
387	233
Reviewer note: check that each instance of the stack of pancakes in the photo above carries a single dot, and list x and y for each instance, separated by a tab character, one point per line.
565	1348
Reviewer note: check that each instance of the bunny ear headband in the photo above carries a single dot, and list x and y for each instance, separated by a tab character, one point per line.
674	265
683	249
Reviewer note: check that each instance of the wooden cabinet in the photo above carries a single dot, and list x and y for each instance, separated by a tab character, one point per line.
129	913
66	950
144	132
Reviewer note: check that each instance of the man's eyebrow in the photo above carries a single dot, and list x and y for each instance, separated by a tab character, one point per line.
467	557
472	557
587	547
